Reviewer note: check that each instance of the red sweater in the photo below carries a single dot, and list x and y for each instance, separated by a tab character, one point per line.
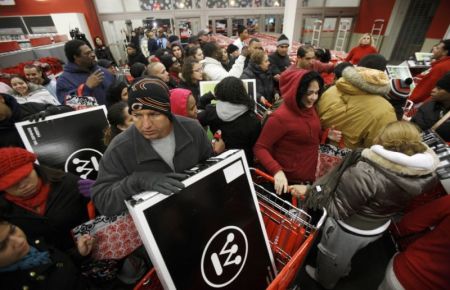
425	264
358	52
428	79
290	139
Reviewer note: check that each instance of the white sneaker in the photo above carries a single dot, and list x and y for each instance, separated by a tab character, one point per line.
311	271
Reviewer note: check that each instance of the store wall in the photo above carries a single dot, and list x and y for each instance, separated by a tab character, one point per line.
439	25
369	10
46	7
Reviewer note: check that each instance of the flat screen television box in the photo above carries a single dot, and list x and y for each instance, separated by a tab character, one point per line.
209	235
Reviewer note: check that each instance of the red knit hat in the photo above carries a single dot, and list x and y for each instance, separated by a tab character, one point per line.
15	164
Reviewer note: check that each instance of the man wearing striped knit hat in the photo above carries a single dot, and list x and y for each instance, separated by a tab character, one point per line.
152	153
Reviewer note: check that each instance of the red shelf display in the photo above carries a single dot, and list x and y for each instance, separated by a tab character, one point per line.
39	41
7	46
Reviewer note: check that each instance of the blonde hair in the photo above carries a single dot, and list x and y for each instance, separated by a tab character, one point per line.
364	35
403	137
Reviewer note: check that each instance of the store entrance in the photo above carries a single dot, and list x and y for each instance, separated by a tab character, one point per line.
185	27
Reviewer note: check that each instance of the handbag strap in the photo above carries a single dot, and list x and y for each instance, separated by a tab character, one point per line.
341	143
441	121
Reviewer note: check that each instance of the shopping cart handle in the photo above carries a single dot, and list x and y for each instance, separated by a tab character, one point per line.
271	179
264	175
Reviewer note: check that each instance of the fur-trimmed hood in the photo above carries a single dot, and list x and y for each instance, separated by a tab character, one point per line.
363	81
415	165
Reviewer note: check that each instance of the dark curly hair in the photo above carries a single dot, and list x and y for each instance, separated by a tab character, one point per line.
232	90
212	49
72	48
187	69
191	51
304	84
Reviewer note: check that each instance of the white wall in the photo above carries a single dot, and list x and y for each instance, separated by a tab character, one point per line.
132	5
109	6
64	22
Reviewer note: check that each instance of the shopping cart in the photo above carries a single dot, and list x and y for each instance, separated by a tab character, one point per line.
291	232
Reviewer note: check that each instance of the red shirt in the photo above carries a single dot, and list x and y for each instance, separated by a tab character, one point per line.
429	78
425	264
358	52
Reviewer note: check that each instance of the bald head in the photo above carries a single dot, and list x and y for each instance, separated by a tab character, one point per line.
158	70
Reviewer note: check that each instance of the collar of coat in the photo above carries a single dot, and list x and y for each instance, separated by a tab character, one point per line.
398	168
145	152
364	80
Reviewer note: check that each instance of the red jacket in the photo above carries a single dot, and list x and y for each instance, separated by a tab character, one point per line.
425	262
290	139
358	52
428	80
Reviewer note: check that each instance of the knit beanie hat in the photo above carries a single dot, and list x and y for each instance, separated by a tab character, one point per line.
149	94
232	48
282	40
15	164
444	82
374	61
400	88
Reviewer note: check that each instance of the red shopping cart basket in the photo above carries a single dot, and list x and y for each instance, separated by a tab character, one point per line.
290	231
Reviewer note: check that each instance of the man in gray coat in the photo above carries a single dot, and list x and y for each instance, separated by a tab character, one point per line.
150	154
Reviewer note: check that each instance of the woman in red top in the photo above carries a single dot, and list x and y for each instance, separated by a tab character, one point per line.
288	144
364	48
424	262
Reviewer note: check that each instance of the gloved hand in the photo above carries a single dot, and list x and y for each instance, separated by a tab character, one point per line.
165	183
170	182
85	187
38	116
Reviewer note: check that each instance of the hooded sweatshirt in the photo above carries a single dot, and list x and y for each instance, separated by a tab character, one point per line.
290	138
240	127
356	106
74	76
178	101
36	94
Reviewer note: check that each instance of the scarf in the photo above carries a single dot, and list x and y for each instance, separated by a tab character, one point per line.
33	259
36	203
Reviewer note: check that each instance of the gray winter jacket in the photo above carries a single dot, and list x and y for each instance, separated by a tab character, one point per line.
376	188
130	154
